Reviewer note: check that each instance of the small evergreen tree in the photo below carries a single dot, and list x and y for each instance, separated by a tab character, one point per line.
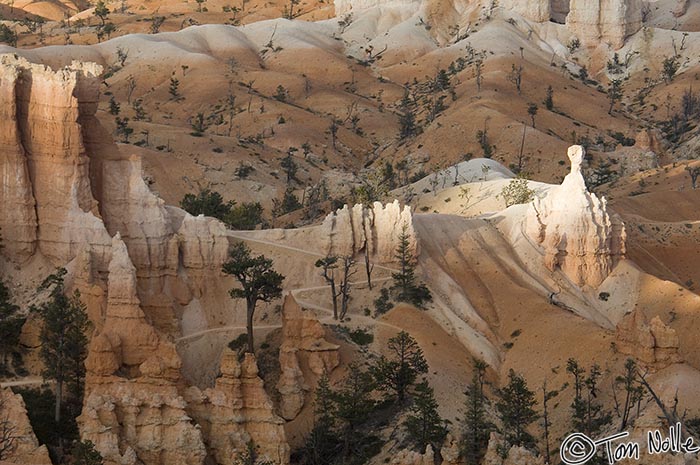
614	93
245	216
477	427
424	424
532	111
515	408
174	88
549	99
405	286
208	203
84	453
289	166
398	372
123	128
101	11
113	106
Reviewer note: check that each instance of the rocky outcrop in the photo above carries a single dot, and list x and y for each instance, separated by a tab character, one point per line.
304	349
575	230
410	457
652	342
607	21
349	231
236	411
23	447
140	421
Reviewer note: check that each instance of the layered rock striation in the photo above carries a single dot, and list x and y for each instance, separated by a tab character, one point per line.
304	352
237	412
575	230
372	229
593	22
70	196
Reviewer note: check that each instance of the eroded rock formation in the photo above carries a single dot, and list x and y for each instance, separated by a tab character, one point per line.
70	196
593	22
23	447
236	411
652	342
575	230
349	231
304	349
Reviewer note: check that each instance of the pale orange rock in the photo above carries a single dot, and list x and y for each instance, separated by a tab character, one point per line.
653	343
237	410
25	449
304	349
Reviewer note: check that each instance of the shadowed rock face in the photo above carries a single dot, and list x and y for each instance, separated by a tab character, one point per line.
575	230
69	195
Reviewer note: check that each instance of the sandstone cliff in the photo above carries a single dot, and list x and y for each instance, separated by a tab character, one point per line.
575	230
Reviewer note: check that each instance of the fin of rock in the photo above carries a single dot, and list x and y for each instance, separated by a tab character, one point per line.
375	229
575	230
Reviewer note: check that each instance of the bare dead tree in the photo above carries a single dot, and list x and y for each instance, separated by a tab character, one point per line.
8	439
671	415
348	270
328	266
694	173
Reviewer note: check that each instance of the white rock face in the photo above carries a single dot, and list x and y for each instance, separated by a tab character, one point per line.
609	21
575	230
349	231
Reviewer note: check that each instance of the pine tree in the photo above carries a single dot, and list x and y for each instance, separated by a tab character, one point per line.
174	88
353	404
10	326
515	408
405	286
322	444
398	373
549	99
113	106
477	427
424	424
258	280
63	340
101	11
